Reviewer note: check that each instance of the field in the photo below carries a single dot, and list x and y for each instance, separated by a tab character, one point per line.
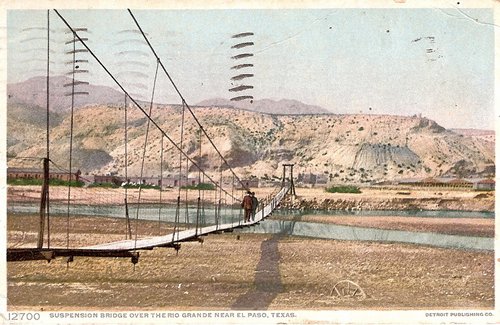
246	271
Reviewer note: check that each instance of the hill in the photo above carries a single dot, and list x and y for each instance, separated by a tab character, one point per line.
267	106
345	148
487	135
32	93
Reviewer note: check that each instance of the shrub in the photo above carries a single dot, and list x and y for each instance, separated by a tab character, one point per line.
201	186
52	182
104	185
343	189
143	186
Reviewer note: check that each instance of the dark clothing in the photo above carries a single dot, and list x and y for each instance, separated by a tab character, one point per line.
255	204
247	202
247	206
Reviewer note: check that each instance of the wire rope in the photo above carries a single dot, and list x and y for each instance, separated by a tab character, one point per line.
71	141
144	158
131	98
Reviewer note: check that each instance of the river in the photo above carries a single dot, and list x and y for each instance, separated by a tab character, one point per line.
295	227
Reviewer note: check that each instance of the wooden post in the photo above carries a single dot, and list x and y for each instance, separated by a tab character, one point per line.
283	178
292	185
129	228
43	202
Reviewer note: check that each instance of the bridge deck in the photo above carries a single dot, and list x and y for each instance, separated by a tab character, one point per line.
147	243
125	248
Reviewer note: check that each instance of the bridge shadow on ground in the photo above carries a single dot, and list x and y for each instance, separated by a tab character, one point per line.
267	282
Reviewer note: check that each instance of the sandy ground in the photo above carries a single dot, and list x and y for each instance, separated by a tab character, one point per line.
247	271
116	196
256	271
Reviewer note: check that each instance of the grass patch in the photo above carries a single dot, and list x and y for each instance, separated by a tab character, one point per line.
201	186
143	186
343	189
104	185
52	182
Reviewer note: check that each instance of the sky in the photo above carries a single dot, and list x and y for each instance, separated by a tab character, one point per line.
435	62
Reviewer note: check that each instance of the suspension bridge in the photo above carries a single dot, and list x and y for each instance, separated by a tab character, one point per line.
190	229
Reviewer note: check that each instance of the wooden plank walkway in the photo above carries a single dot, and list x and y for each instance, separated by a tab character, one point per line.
185	235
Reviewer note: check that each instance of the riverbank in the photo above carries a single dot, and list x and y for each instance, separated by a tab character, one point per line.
392	199
473	227
278	272
306	198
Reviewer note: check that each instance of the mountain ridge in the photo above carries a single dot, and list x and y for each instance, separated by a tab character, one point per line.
32	92
267	106
345	148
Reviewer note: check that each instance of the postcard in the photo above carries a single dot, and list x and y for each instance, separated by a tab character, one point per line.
283	162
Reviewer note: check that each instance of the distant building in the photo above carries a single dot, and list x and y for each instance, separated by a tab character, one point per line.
484	185
430	181
313	179
248	183
438	182
167	181
102	179
175	181
322	179
33	173
459	182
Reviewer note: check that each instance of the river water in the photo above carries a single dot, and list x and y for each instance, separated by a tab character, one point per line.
294	227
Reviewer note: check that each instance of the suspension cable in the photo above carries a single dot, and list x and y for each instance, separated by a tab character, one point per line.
186	195
161	182
180	168
216	219
220	191
71	139
131	98
182	97
232	200
199	186
203	219
144	157
128	230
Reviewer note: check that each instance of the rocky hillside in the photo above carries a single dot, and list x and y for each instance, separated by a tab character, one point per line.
346	148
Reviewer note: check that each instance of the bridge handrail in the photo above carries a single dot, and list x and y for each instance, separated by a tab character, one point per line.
148	243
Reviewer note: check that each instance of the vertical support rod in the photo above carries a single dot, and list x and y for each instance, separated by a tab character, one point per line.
128	227
283	178
43	202
292	186
48	79
48	137
197	215
70	173
128	232
161	182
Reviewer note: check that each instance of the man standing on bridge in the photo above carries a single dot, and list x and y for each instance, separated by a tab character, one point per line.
255	204
246	204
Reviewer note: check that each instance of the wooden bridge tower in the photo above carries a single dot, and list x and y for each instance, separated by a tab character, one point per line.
283	180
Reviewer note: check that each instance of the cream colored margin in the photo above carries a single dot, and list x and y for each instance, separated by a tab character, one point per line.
310	317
